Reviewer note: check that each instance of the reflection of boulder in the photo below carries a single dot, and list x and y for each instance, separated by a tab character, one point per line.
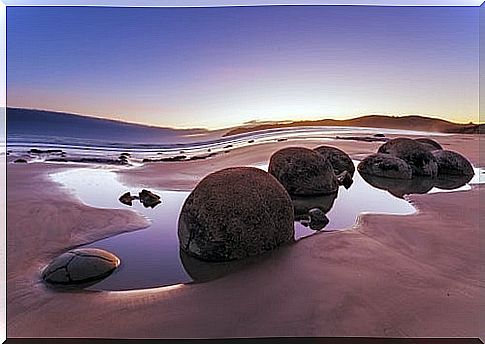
235	213
385	165
419	158
401	187
203	271
452	163
310	211
449	182
303	171
430	144
338	158
80	267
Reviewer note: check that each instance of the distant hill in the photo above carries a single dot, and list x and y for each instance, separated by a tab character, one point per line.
58	124
419	123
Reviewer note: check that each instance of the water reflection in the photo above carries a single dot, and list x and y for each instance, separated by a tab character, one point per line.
417	185
311	211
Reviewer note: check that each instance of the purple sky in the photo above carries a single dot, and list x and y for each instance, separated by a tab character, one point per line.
217	67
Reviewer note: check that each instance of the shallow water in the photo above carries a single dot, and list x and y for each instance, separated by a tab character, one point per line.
150	257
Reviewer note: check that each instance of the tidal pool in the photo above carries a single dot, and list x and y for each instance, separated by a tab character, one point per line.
150	257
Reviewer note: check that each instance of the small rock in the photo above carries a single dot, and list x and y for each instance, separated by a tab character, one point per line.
127	199
379	135
345	179
318	219
20	161
149	199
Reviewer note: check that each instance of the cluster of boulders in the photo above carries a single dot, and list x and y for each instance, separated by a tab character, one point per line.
146	197
241	212
404	165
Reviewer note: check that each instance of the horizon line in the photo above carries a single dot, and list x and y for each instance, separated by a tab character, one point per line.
244	124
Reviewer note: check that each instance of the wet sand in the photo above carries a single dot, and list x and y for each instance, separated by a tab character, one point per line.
414	275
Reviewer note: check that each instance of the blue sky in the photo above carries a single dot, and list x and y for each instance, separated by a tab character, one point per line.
216	67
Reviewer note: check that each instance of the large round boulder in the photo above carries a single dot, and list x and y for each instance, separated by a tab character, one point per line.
419	158
80	267
235	213
452	163
385	165
338	158
303	172
430	144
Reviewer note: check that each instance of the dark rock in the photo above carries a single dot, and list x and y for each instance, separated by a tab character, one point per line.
235	213
318	219
338	158
227	146
379	135
430	144
250	141
419	158
149	199
303	171
48	151
401	187
20	161
174	158
385	165
452	163
282	139
80	267
127	198
345	179
126	154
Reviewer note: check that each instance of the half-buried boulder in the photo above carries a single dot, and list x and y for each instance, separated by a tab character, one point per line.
419	158
80	267
452	163
303	172
338	158
430	144
235	213
385	165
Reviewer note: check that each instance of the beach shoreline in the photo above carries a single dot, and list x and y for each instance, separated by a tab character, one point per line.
326	285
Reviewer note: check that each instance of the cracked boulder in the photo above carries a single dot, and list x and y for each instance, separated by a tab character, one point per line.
80	267
418	157
340	161
303	172
235	213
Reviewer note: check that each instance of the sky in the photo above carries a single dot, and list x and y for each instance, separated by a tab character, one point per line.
219	67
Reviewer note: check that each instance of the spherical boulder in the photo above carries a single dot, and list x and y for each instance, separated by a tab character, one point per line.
338	158
80	267
452	163
235	213
430	144
385	165
419	158
303	172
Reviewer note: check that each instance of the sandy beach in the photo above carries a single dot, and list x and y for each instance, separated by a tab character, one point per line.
417	275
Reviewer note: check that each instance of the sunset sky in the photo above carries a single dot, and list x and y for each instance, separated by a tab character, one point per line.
218	67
